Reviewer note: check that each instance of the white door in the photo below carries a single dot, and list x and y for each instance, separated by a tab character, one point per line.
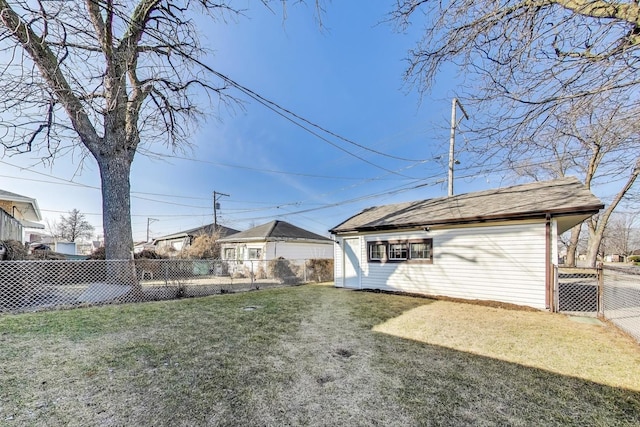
352	263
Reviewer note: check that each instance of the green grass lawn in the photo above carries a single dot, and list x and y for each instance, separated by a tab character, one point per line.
311	355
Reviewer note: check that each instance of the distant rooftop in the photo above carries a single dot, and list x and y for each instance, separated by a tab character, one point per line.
274	231
197	231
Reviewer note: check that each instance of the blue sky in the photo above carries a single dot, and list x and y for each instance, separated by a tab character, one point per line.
346	78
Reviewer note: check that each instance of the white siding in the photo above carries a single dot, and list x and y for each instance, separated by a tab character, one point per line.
338	256
299	251
500	263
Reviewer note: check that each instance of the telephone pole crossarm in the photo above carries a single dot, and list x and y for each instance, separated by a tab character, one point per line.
216	195
149	221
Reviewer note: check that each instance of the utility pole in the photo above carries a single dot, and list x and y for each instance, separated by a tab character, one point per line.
452	139
149	221
216	206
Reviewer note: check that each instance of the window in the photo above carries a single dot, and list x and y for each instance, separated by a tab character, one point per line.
255	253
377	251
398	251
413	250
420	250
229	253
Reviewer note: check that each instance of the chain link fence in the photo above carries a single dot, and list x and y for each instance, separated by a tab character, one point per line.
611	292
41	285
578	291
622	298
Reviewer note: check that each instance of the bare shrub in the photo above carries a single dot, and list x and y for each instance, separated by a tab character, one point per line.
205	246
320	270
13	250
98	254
283	270
260	273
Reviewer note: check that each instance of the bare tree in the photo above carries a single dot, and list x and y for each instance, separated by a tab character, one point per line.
623	233
559	78
103	78
592	139
74	226
534	52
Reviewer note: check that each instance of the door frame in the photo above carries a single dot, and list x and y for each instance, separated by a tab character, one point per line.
351	261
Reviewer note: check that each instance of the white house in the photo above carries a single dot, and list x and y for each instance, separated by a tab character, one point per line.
276	239
498	245
20	221
176	242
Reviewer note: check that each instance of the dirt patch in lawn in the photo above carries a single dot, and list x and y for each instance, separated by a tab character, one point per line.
553	342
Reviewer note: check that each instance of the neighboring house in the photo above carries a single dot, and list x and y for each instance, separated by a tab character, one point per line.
615	258
276	239
87	248
20	222
182	240
48	243
141	246
498	245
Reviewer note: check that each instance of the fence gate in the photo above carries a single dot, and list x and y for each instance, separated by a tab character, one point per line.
578	291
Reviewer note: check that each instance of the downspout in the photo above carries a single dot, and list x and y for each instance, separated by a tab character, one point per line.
547	264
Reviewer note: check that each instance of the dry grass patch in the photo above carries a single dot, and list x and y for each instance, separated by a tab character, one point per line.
553	342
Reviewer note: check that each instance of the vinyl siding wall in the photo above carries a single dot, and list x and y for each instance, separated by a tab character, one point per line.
338	275
500	263
287	250
299	251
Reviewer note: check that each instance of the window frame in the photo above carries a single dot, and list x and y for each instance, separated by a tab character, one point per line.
258	251
429	249
407	247
371	245
404	248
227	250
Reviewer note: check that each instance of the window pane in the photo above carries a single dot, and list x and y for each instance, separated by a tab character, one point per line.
254	253
376	251
420	251
398	251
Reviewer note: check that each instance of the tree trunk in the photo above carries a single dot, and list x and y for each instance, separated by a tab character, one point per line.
572	249
116	205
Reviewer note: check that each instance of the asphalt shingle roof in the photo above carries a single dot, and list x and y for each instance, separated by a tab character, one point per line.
561	196
274	230
206	229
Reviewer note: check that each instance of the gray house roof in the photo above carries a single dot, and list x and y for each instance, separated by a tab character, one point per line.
206	229
27	205
275	231
566	198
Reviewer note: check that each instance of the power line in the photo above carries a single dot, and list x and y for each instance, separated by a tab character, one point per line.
276	108
262	170
483	170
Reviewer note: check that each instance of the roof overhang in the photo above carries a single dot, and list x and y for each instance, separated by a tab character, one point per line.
273	239
27	206
31	224
566	218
